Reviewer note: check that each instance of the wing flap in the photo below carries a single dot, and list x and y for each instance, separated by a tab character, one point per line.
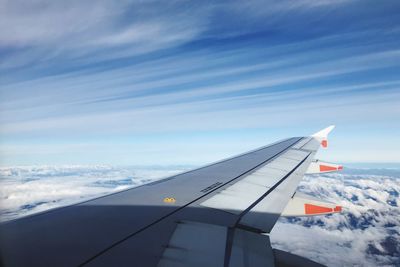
250	249
318	166
305	205
191	241
198	245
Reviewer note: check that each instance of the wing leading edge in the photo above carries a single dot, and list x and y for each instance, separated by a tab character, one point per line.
217	215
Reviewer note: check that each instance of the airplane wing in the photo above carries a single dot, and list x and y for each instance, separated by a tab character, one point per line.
217	215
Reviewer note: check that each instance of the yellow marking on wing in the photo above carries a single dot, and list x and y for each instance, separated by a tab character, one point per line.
169	200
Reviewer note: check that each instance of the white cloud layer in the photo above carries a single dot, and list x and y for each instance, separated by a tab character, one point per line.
367	233
31	189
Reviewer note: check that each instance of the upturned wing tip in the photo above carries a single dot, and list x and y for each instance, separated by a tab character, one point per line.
324	132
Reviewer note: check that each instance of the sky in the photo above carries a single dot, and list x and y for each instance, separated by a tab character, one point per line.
191	82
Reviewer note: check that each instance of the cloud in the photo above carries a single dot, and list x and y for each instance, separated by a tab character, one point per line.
80	23
41	31
110	22
90	71
80	32
365	234
147	89
31	189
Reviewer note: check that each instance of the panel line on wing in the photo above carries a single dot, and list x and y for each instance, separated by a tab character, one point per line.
241	195
273	187
264	213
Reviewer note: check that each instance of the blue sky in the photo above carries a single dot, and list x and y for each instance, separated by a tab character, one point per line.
190	82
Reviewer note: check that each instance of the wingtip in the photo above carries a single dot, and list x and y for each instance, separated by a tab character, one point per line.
324	132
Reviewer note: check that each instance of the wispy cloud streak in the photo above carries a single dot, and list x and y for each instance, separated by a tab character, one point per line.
127	69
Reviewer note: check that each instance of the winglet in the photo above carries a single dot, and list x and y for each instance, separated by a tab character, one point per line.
322	136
